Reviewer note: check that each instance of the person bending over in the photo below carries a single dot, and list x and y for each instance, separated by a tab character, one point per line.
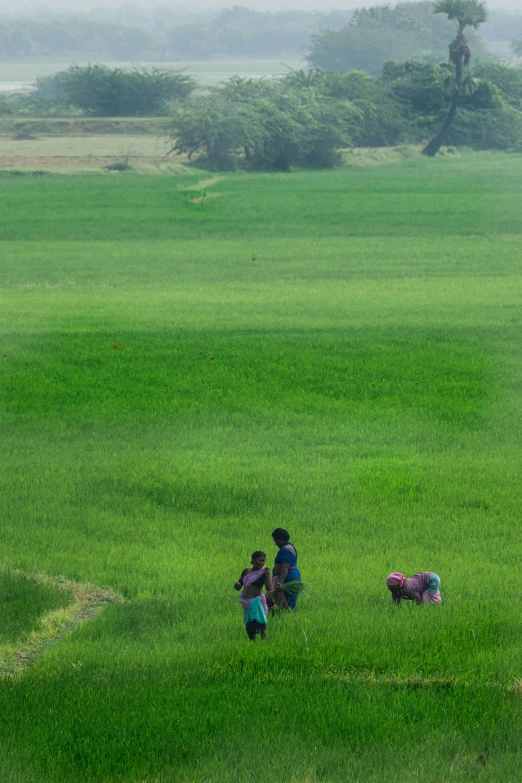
424	587
252	599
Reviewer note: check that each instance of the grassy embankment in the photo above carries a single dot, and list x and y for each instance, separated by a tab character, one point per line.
82	127
364	392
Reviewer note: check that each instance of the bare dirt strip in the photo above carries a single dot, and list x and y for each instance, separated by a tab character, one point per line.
88	601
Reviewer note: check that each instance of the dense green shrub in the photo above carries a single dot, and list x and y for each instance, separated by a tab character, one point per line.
266	124
421	92
499	128
418	88
6	107
307	116
508	80
116	92
214	128
380	122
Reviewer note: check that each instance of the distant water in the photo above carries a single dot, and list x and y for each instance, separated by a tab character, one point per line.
16	86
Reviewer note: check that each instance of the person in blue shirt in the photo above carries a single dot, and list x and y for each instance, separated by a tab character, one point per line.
285	568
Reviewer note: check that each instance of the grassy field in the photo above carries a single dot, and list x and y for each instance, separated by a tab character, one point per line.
23	602
364	391
84	153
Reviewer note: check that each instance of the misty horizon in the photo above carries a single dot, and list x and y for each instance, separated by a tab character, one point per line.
83	6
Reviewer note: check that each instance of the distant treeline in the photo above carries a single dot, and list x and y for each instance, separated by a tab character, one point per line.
374	36
235	32
340	39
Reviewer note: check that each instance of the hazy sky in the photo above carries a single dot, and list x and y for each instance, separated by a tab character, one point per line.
268	5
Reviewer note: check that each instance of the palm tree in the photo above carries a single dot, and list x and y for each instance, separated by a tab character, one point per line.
466	13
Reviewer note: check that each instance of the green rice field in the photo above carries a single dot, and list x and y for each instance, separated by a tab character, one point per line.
188	362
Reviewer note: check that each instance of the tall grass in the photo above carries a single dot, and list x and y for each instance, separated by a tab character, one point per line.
23	601
363	392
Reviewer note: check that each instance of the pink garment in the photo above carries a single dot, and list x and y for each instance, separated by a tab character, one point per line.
252	576
249	579
395	579
431	598
417	588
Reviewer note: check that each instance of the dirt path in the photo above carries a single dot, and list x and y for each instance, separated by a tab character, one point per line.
88	601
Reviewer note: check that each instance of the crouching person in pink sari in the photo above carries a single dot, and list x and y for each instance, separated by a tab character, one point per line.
424	587
252	599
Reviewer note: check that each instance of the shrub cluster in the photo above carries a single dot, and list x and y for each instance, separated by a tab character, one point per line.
114	92
307	116
266	124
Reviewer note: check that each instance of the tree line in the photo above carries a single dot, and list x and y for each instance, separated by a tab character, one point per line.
306	117
235	32
337	40
376	35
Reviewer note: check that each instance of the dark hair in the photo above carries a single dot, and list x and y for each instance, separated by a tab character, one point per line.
257	554
280	534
